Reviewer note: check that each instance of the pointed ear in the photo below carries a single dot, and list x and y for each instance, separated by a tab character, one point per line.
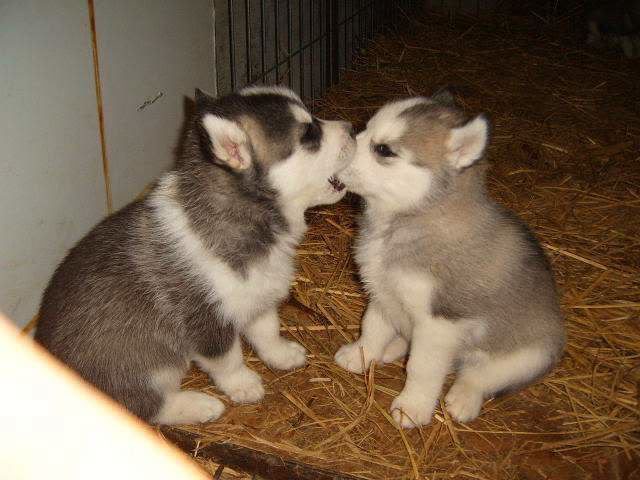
466	144
188	107
444	97
229	142
200	96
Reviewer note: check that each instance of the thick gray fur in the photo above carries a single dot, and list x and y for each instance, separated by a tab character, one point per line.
121	305
487	264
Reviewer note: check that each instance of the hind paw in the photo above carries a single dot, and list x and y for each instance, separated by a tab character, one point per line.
284	355
189	407
242	386
352	358
397	349
464	402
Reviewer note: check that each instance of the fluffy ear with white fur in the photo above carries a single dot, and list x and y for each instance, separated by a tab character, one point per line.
466	144
229	141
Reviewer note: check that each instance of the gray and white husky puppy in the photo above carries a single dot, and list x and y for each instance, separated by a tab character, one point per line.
206	256
454	278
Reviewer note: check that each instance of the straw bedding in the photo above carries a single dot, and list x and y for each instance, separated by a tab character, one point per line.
565	157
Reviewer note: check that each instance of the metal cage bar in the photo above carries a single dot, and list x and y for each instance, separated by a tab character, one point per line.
330	34
232	59
322	12
300	51
289	42
247	43
312	48
276	47
263	41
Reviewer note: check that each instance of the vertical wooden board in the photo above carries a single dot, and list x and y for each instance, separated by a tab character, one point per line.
51	183
149	50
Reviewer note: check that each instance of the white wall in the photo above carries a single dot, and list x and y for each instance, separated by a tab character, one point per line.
51	183
146	47
51	186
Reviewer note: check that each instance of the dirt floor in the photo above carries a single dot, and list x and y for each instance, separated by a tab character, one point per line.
565	156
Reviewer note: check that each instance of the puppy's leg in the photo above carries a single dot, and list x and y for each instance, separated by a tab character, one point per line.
232	376
264	335
489	375
377	334
182	407
433	348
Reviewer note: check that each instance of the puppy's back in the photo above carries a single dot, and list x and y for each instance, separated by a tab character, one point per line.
98	314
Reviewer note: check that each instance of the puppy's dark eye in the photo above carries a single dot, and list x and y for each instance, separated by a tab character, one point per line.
383	150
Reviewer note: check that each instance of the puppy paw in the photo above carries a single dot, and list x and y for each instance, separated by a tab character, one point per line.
397	349
412	410
205	408
350	358
242	386
463	402
189	407
285	355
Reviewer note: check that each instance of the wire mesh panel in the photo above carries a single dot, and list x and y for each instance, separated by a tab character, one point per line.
304	44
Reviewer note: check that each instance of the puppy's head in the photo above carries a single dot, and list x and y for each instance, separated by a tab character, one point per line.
266	133
411	151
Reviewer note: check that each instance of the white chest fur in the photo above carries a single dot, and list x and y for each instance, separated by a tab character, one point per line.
404	294
241	297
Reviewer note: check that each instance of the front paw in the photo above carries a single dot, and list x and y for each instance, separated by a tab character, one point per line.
242	386
284	355
412	410
351	357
